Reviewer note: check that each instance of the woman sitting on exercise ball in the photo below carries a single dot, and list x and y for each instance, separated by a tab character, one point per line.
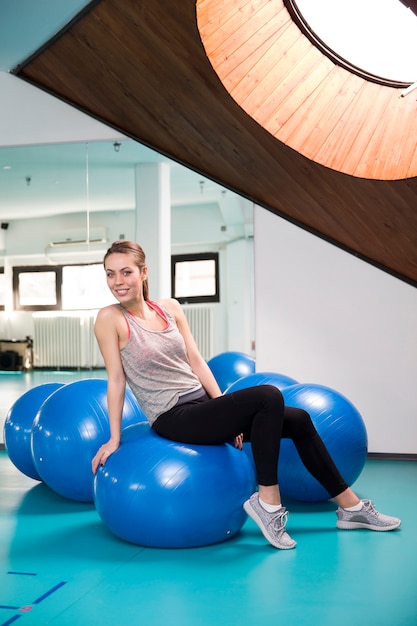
149	345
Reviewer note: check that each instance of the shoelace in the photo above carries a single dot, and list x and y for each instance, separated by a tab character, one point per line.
370	508
280	520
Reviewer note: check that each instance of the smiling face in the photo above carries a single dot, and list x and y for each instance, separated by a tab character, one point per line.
125	279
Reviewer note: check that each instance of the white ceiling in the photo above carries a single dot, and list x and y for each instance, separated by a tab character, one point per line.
26	25
55	159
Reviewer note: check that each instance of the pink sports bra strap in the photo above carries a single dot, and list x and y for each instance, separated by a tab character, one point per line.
158	309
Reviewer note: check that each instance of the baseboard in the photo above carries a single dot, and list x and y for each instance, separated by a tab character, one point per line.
391	456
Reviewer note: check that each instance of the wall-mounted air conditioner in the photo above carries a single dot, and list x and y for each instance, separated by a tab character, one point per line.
77	246
76	236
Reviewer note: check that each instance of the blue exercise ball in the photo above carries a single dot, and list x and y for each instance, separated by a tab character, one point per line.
69	428
262	378
159	493
342	430
228	367
18	427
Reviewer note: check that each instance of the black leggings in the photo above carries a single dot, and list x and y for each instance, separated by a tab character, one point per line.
259	413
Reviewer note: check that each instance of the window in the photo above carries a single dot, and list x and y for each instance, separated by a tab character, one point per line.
2	289
195	277
355	35
85	287
37	288
56	288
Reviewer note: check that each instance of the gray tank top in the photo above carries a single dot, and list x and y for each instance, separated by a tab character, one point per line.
156	364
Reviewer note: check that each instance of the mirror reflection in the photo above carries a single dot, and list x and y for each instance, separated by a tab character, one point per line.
62	205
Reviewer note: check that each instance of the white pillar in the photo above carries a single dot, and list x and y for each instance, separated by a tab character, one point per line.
153	224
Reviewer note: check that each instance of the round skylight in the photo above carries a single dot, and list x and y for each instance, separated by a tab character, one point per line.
377	36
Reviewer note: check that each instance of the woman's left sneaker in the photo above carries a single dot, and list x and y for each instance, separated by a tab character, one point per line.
368	517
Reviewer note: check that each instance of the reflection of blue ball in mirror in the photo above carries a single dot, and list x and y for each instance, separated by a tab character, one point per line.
228	367
18	427
68	430
159	493
342	430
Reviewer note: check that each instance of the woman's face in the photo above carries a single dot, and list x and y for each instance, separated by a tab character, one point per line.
124	278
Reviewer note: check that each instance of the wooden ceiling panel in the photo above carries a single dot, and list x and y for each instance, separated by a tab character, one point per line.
142	68
374	102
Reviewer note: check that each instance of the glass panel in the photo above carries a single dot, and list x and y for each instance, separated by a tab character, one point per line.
195	278
37	288
85	287
378	36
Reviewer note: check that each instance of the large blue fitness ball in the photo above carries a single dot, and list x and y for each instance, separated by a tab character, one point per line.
68	430
158	493
228	367
343	431
262	378
18	427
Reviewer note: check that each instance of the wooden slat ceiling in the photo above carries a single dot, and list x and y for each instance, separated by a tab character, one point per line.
320	109
141	67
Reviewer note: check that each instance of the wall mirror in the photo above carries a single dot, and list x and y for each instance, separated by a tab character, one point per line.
61	205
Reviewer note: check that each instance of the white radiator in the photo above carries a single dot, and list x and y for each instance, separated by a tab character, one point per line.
201	321
64	340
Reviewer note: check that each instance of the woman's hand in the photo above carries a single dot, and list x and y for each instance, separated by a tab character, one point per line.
239	442
103	454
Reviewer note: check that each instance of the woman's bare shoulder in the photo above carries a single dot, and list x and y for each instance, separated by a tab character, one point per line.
109	313
171	305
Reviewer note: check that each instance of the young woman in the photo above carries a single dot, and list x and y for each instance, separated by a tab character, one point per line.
149	345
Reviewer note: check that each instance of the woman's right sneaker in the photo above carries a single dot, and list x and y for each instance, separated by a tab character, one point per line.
272	525
368	517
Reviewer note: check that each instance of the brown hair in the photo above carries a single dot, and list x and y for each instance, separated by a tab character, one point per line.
136	253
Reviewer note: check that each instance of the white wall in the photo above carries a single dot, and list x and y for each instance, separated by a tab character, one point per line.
30	116
323	316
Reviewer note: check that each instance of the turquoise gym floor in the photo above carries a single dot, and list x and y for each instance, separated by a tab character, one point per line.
61	566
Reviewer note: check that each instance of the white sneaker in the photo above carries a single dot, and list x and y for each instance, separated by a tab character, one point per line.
272	525
367	517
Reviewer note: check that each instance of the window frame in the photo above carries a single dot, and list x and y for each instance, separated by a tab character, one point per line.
198	256
59	283
26	269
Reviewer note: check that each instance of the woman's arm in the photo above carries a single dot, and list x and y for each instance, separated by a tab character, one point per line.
197	363
108	338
